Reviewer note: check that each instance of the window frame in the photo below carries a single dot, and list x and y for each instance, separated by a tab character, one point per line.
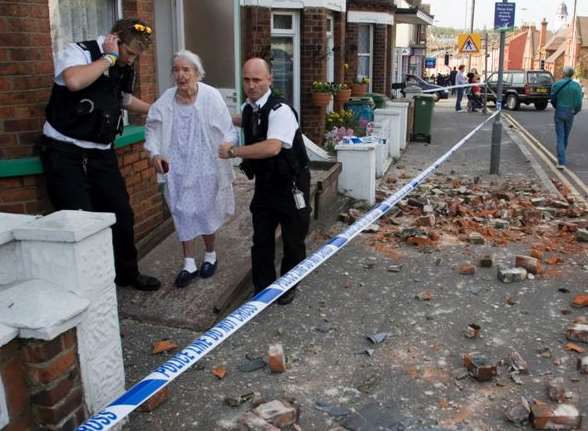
294	33
370	55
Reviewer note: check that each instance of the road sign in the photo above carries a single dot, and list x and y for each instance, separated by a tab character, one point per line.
430	62
469	43
504	16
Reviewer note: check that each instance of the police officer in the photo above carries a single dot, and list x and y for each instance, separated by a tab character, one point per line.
93	82
275	155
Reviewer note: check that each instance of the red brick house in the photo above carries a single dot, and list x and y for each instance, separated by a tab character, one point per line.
305	40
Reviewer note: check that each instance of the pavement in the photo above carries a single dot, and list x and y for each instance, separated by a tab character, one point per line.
414	297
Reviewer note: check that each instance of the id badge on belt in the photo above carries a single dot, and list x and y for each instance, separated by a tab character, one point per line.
298	198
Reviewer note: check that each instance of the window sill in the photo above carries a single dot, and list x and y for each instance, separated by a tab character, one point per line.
26	166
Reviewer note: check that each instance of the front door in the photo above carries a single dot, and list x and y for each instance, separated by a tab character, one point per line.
285	56
211	36
166	40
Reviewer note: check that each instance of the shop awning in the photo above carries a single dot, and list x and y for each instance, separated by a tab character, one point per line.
412	15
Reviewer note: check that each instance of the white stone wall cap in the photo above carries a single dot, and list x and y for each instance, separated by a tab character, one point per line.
398	103
10	221
355	147
65	226
7	334
315	153
40	309
387	112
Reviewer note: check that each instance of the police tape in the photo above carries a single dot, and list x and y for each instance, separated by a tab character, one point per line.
450	87
120	408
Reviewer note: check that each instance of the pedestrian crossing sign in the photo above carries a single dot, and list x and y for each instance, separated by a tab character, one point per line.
469	43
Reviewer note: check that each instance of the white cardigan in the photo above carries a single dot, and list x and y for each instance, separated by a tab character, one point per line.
217	130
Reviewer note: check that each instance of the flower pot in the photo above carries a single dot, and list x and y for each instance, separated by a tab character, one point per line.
358	90
341	97
321	99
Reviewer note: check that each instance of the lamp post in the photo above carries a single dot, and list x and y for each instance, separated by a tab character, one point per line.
497	125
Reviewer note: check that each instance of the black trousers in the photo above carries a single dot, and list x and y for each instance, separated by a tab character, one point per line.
90	180
272	206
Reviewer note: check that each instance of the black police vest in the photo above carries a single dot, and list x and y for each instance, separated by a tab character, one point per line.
285	166
95	112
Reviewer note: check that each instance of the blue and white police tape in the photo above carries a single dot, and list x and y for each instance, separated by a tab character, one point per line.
449	87
115	412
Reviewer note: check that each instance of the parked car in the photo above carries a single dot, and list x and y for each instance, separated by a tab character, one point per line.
415	81
522	86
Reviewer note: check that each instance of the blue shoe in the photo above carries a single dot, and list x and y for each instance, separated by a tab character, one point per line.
208	269
185	277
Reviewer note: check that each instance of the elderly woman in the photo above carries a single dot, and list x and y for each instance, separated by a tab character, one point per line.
184	129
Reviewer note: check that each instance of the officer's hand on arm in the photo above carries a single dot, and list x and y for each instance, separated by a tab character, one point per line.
138	106
77	78
236	120
260	150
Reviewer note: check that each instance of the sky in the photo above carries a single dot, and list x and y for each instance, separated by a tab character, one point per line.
456	13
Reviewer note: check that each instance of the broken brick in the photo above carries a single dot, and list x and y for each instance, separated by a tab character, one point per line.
558	417
518	363
251	422
573	347
475	238
536	253
466	269
553	260
582	235
580	301
556	390
472	331
276	358
155	401
219	372
510	275
419	241
163	346
479	366
427	220
425	295
583	365
532	216
577	332
487	261
278	413
531	264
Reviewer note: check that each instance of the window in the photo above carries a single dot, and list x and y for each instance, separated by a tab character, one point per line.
78	20
518	78
365	42
540	78
285	56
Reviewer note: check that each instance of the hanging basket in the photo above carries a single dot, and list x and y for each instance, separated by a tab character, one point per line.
358	90
321	99
343	96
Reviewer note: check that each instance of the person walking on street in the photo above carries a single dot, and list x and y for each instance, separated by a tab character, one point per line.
274	153
93	83
452	76
566	98
460	79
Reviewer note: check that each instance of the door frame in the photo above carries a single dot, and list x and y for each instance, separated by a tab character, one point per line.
294	33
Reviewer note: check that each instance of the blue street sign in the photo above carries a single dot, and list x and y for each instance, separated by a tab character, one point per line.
504	16
430	62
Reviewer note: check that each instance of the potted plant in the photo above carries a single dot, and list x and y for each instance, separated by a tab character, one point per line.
321	93
359	86
342	95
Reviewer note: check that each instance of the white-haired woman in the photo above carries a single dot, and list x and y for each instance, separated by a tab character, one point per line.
184	129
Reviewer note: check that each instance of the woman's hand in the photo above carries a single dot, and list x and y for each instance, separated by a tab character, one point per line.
160	164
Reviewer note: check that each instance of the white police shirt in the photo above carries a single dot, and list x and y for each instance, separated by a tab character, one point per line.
74	55
282	123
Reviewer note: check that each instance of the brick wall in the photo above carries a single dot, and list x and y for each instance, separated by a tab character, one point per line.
256	32
26	76
26	73
313	68
339	43
42	383
381	55
351	39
